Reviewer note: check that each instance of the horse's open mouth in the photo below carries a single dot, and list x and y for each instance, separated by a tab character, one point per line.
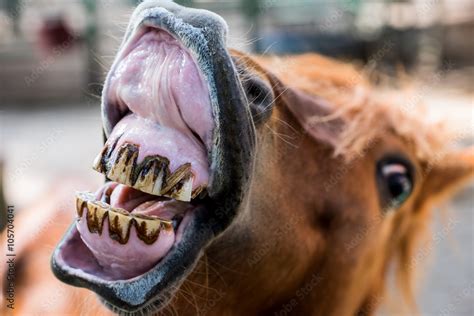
156	154
167	156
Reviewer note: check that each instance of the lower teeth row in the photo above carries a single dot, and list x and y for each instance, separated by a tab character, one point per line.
120	221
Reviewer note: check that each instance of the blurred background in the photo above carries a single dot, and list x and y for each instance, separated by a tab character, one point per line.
54	55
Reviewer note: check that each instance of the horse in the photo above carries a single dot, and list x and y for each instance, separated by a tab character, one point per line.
245	184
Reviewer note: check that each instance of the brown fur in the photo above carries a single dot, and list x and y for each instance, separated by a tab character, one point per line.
311	238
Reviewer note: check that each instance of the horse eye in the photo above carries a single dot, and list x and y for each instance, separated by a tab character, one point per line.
256	92
395	183
260	97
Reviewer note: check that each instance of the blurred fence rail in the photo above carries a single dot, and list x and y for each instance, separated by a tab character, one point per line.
423	33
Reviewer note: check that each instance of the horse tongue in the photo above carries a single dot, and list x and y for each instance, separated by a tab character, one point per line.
137	202
127	198
165	209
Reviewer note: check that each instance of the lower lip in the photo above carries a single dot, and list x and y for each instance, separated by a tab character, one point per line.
127	261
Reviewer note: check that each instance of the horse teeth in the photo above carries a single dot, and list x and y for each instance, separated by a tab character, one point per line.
199	192
156	190
123	167
120	221
119	225
81	201
79	208
186	191
96	213
171	183
183	190
100	161
150	178
149	228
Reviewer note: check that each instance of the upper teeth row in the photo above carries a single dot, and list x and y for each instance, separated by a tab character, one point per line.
120	221
151	176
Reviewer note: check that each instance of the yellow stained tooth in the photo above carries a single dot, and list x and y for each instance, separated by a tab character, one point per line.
151	176
158	183
148	228
167	225
80	206
154	177
99	162
95	216
200	191
174	179
123	167
145	179
120	222
183	190
81	200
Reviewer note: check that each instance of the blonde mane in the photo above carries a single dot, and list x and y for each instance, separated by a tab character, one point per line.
368	112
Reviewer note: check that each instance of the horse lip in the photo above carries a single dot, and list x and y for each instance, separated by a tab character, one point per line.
163	18
205	37
194	38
